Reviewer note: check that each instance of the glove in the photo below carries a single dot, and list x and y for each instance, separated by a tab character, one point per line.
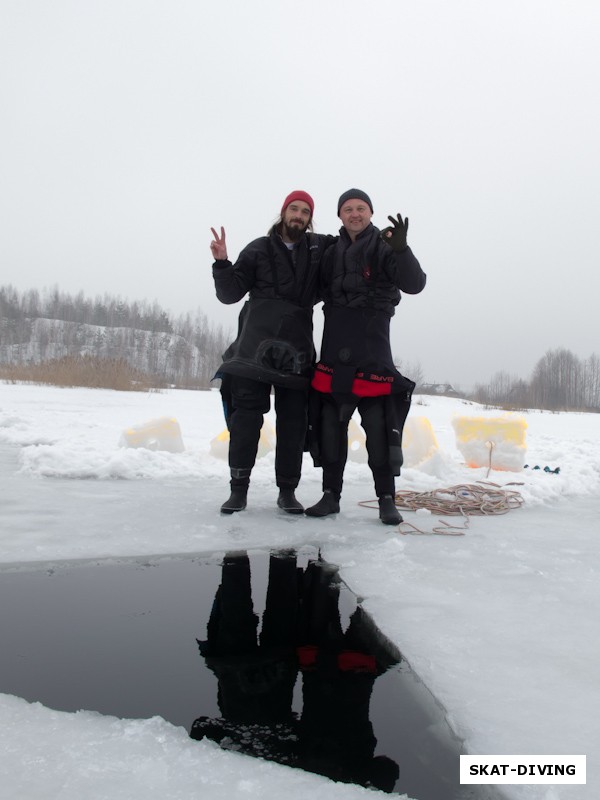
395	234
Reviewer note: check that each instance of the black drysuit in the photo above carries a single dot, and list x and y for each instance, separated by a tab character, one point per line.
274	347
361	285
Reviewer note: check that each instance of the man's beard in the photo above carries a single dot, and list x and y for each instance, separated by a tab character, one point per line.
295	233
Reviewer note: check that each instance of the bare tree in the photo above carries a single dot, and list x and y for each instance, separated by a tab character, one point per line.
556	380
590	384
412	370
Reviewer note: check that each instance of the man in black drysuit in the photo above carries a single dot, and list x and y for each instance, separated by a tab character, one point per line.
274	346
363	275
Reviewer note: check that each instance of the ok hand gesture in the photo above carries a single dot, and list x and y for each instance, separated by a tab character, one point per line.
395	234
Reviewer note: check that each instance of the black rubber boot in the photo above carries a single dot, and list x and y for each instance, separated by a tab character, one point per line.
287	502
388	513
328	504
236	501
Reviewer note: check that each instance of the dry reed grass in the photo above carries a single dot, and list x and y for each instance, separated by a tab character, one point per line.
87	371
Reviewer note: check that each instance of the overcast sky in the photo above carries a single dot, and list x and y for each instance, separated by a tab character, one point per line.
129	127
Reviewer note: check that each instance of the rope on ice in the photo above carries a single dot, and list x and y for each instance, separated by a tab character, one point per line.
463	500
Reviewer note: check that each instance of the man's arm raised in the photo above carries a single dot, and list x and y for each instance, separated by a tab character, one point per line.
218	246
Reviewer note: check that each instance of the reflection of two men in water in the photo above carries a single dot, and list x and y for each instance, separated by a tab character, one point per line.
301	632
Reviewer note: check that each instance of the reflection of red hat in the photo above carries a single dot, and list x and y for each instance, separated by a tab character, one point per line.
298	195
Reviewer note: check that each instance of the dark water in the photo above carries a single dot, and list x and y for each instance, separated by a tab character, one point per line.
267	653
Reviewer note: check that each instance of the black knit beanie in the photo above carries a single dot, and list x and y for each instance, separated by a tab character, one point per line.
354	194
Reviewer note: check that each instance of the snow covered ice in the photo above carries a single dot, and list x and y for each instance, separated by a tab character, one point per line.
500	623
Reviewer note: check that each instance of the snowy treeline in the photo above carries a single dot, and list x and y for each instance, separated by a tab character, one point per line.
38	327
560	381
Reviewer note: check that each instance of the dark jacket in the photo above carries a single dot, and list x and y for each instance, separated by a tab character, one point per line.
367	273
361	285
275	333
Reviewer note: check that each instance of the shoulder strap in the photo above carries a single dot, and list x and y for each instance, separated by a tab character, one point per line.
313	261
274	275
374	259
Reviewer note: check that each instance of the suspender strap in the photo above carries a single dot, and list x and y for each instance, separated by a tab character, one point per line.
374	276
274	275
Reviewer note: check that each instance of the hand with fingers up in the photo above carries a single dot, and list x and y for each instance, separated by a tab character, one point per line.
395	234
218	247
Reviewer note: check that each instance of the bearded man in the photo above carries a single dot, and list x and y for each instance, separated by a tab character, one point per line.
274	346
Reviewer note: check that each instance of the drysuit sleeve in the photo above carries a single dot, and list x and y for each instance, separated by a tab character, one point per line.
403	269
233	281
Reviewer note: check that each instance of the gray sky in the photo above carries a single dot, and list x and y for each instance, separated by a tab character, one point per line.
129	127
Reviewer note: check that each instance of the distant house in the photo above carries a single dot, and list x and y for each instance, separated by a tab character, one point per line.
443	389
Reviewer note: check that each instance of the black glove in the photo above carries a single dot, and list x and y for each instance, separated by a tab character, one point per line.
395	234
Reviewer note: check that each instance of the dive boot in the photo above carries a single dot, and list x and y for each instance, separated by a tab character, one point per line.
287	502
388	513
328	504
236	500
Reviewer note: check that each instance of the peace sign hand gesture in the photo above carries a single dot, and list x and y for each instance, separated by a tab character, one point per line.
218	247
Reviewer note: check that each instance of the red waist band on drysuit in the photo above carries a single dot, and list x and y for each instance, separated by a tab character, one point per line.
365	384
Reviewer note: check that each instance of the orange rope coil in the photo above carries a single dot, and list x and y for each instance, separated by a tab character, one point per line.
463	500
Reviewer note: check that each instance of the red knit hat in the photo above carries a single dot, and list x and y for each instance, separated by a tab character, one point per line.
298	195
